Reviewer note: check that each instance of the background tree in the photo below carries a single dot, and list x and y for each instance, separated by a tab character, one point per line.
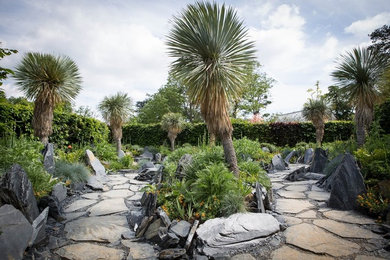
358	73
381	40
211	51
339	103
4	71
85	111
316	110
255	95
173	123
116	110
48	80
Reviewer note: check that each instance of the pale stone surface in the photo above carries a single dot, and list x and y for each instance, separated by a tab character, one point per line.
118	182
94	162
112	194
368	257
316	240
243	257
138	182
345	230
307	214
277	186
292	194
91	196
73	215
100	229
108	206
297	188
88	251
318	195
349	217
125	186
301	182
292	220
315	188
289	253
136	196
292	205
134	187
79	204
139	250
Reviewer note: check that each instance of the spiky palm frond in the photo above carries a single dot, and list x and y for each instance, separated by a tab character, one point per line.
115	111
211	50
317	111
172	122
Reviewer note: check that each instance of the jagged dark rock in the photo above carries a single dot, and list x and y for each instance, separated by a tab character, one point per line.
184	162
48	158
320	160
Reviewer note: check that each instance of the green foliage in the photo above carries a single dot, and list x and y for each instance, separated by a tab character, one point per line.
27	153
231	203
251	150
73	155
339	103
4	71
125	162
105	151
382	114
339	147
74	172
172	122
251	172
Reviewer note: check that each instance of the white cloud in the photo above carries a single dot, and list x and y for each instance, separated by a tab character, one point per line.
366	26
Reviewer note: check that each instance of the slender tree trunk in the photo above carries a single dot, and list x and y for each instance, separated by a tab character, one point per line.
45	140
320	134
118	146
230	153
360	133
172	138
212	139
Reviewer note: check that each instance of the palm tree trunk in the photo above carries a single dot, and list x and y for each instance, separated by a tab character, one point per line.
320	133
230	153
118	146
45	140
172	137
212	139
360	133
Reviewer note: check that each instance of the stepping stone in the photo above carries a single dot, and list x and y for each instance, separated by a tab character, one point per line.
291	221
315	188
73	215
108	206
91	196
324	209
138	182
88	251
136	196
345	230
349	217
277	186
307	214
316	240
243	257
301	182
112	194
125	186
131	175
79	204
134	187
289	253
297	188
292	194
368	257
292	205
318	195
139	250
118	182
99	229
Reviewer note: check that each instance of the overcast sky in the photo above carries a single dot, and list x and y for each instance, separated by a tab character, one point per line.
119	45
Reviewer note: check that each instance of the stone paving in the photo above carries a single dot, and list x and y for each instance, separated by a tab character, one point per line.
97	227
317	232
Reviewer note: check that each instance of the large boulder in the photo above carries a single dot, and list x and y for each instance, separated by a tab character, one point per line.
290	155
319	161
347	184
147	155
15	233
326	181
278	164
16	189
308	157
94	162
218	235
48	158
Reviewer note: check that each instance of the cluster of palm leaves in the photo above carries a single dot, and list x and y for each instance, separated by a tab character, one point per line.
317	111
173	123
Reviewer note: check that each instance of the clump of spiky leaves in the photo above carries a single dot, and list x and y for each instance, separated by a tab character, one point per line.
173	123
358	73
251	172
211	51
75	172
317	111
48	80
115	110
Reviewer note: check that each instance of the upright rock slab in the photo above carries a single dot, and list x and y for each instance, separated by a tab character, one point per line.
184	161
59	191
347	184
39	225
319	161
15	233
48	158
278	163
308	157
16	189
96	165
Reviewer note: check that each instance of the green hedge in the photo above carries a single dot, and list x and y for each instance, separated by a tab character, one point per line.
67	128
382	113
280	134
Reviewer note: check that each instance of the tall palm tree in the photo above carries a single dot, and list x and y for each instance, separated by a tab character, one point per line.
317	111
47	80
173	123
358	73
211	50
115	110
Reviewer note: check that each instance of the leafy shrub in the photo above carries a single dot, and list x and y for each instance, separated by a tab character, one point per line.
374	164
126	162
73	155
232	203
373	202
75	172
339	147
27	153
382	113
248	149
105	151
272	148
179	152
251	172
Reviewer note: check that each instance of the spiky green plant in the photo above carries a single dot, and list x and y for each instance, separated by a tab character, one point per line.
116	110
317	111
173	123
358	73
47	80
211	51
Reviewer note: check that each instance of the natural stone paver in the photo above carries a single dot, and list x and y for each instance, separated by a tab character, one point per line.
318	195
125	186
112	194
348	216
73	215
297	188
292	194
277	186
91	196
100	229
345	230
243	257
136	196
139	250
301	182
286	252
108	206
292	220
79	204
136	187
292	205
118	182
88	251
368	257
315	188
307	214
316	240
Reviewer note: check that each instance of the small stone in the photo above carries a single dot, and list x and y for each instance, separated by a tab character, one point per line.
152	231
181	229
286	252
139	250
320	160
307	214
128	234
140	231
349	217
191	234
39	225
164	217
59	191
345	230
55	209
292	205
88	251
278	163
172	253
79	204
308	157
